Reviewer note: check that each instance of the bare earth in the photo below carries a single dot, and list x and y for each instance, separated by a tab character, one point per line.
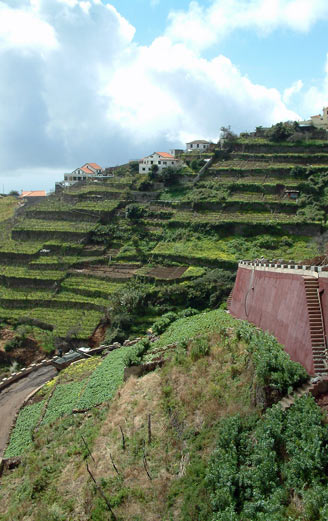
12	398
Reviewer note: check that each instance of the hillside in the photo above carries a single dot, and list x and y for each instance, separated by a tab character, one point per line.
184	424
102	261
196	439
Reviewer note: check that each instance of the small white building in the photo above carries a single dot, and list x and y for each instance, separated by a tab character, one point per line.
200	145
83	173
161	159
318	121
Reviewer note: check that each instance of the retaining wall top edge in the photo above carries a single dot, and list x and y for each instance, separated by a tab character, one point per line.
315	271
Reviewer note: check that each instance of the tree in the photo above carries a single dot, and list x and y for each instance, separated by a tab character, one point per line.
153	171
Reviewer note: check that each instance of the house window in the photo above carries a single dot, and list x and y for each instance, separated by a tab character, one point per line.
143	169
197	145
159	162
164	162
151	162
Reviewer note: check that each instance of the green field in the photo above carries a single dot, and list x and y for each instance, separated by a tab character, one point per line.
7	207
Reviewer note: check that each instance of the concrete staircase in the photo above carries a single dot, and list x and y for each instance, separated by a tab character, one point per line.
316	386
229	300
316	324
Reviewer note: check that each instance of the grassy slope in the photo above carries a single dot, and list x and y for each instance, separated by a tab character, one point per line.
7	207
215	378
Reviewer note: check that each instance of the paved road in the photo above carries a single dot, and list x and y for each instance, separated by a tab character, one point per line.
13	396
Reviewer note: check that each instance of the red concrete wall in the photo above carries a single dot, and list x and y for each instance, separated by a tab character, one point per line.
276	302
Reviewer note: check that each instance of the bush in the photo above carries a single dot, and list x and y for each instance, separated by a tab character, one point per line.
14	343
261	463
199	348
135	211
163	323
135	354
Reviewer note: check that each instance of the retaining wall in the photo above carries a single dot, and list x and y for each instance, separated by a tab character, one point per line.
272	296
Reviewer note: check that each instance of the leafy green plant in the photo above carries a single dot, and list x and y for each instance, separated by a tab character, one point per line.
21	436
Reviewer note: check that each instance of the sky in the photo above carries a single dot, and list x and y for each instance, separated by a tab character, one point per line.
107	81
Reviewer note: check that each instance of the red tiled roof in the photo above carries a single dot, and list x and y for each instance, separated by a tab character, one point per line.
94	165
86	170
33	193
165	154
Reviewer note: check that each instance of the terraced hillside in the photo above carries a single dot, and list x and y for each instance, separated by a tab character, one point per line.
173	444
118	254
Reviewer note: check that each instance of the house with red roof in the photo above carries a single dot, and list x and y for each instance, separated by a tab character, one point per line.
32	193
83	173
161	159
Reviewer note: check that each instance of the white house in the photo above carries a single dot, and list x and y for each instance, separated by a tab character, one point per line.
161	159
83	173
200	145
318	121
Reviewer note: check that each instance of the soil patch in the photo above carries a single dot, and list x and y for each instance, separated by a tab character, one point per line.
167	273
98	336
112	272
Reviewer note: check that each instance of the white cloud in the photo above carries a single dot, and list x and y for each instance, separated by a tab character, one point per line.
98	96
315	98
201	27
176	94
295	88
23	29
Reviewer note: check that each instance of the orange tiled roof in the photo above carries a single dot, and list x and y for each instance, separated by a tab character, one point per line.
33	193
86	170
165	154
95	165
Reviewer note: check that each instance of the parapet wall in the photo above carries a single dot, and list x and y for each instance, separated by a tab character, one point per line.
272	296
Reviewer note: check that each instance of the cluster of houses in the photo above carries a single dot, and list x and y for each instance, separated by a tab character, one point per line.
161	159
318	121
164	159
93	171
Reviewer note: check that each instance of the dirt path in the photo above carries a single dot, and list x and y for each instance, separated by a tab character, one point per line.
12	398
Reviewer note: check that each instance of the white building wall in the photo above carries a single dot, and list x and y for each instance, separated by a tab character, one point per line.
162	162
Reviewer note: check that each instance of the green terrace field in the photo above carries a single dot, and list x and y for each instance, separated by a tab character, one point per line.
233	217
60	262
261	197
255	141
228	178
95	188
236	247
24	294
253	164
82	386
97	206
29	247
7	207
60	226
51	204
83	321
90	286
27	273
319	159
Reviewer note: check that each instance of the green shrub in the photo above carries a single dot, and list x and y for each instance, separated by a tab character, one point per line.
199	347
14	343
261	463
136	352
